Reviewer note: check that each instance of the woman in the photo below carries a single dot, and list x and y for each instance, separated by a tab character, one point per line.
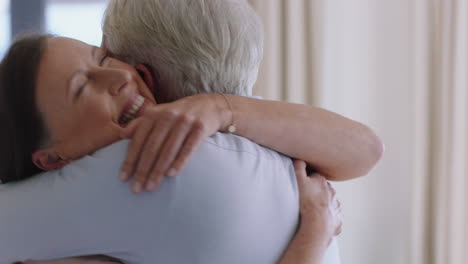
61	99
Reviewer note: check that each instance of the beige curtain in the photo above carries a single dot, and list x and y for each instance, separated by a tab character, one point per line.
289	69
448	146
440	220
400	66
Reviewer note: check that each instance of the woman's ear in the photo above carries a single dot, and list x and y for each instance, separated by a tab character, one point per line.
48	159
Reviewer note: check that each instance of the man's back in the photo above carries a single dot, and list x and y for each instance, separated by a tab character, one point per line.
236	202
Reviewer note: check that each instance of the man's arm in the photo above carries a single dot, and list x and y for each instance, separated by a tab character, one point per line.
304	249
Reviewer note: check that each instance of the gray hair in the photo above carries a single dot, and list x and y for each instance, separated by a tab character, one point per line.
196	46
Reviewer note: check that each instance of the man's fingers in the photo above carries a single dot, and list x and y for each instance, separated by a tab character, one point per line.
134	150
339	229
338	205
332	190
299	168
337	208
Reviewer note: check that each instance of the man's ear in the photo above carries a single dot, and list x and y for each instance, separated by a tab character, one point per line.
48	159
104	42
147	74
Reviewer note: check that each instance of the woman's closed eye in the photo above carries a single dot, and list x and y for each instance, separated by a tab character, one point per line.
80	90
81	82
103	58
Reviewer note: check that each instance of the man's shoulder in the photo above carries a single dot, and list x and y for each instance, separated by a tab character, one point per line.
229	143
220	146
107	161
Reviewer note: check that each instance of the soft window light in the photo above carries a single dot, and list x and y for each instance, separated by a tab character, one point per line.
4	26
76	19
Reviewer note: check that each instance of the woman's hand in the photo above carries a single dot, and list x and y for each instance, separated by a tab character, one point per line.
166	135
320	218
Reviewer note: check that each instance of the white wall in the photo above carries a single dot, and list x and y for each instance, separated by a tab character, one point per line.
4	26
368	75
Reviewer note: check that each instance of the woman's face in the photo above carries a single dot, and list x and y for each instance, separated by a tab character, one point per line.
83	94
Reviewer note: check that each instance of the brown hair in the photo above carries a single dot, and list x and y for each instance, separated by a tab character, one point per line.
22	126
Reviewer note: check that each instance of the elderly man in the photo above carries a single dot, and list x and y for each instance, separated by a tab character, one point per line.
236	202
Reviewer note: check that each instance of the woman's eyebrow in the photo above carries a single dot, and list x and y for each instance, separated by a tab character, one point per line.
69	82
80	71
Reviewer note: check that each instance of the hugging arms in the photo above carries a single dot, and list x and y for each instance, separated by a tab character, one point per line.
222	143
81	112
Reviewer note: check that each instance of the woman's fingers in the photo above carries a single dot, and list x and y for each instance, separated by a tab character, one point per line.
194	139
130	129
134	150
160	147
149	156
169	150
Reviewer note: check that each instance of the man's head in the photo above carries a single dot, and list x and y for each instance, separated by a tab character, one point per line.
194	46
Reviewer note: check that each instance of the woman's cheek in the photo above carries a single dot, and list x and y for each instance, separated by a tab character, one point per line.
100	111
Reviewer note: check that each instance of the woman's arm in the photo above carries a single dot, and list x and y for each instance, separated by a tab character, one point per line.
337	147
166	135
320	219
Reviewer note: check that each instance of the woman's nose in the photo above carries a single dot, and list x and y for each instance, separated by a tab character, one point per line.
112	80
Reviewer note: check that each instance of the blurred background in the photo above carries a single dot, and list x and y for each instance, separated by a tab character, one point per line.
399	66
80	19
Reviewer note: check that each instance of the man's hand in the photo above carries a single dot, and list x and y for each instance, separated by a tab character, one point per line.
320	210
320	219
166	135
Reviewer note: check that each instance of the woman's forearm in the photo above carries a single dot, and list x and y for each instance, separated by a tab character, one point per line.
337	147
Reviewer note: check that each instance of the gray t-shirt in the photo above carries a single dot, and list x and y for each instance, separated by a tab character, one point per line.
235	202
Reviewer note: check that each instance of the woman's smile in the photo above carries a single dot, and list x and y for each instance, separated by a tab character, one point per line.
132	109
